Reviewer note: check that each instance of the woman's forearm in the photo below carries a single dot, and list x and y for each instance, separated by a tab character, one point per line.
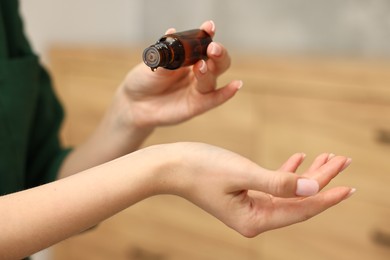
34	219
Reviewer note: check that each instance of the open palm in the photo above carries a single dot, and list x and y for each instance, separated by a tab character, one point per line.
257	211
251	199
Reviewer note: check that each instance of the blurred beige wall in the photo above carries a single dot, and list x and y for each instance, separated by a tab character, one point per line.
76	22
334	27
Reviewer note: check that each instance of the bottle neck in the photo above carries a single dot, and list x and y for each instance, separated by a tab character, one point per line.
157	55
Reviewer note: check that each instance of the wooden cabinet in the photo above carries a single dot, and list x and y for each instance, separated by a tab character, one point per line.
286	106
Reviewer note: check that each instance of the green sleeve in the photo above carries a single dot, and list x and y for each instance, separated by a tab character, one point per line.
30	113
45	152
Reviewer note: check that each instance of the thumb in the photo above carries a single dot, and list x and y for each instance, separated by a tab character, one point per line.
306	187
283	184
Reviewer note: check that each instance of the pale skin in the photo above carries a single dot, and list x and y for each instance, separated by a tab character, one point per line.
246	197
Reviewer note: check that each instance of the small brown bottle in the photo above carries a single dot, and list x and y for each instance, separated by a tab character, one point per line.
176	50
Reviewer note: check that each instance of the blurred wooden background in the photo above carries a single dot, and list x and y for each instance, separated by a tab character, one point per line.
287	105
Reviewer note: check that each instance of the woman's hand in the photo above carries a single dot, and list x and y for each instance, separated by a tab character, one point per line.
166	97
251	199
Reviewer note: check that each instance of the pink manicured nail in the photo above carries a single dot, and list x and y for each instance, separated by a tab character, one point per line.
346	164
212	25
203	67
350	193
216	50
330	156
170	30
307	187
241	83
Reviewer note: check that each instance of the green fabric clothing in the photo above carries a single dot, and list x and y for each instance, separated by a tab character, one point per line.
30	114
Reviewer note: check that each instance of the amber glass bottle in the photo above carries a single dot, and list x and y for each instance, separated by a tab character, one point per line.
177	50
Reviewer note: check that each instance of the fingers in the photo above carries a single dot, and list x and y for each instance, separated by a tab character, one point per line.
320	160
292	164
325	170
209	27
285	212
219	96
219	60
280	184
288	212
206	81
206	72
170	30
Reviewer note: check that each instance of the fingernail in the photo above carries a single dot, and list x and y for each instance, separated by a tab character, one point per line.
216	50
212	25
350	193
307	187
170	30
241	83
346	164
330	156
203	67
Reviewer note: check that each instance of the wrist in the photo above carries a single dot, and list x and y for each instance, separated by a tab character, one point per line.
119	129
169	175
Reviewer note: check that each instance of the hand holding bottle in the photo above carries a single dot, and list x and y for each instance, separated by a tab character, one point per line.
148	99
